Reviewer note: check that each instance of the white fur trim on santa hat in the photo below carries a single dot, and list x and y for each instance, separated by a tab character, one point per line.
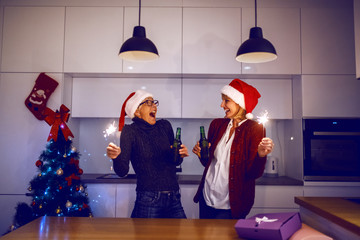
133	103
234	94
249	116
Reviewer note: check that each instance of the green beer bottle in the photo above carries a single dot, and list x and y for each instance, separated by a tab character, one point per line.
177	159
204	145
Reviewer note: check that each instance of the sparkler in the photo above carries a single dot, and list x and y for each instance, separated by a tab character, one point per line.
263	119
111	131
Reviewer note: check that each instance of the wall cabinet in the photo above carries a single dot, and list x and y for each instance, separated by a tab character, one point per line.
179	98
93	37
327	46
340	99
33	39
103	97
202	98
1	30
210	43
281	26
164	28
191	40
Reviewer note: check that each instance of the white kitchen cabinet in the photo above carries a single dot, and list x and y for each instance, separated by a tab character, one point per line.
202	97
332	189
93	37
357	36
330	96
211	37
125	200
164	28
188	192
327	39
102	199
8	204
33	39
1	30
281	26
271	198
103	97
118	200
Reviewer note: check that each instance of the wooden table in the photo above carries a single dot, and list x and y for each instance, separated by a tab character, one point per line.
124	228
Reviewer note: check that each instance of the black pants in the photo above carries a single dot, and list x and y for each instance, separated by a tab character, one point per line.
207	212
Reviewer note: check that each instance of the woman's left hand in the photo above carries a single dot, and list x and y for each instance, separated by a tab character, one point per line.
265	147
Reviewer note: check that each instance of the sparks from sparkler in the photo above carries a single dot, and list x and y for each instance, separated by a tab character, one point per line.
263	119
110	130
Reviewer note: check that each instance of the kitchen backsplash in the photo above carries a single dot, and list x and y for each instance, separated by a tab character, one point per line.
92	142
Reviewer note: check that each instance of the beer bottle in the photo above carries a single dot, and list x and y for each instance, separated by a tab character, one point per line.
204	145
177	159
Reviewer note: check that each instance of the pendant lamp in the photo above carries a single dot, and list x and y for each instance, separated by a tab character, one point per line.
256	49
138	47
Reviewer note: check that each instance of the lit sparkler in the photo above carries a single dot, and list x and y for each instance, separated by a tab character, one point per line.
110	130
263	119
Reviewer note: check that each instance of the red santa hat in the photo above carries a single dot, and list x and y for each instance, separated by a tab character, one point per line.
130	105
243	94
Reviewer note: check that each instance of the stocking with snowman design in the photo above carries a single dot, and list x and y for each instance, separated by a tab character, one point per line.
40	94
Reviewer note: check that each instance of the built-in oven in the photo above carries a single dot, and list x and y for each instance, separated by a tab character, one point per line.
331	149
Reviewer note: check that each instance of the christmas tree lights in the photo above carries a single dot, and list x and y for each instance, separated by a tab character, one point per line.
57	189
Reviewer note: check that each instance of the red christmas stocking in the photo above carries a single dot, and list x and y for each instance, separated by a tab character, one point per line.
43	88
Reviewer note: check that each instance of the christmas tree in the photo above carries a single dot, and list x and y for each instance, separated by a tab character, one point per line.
57	189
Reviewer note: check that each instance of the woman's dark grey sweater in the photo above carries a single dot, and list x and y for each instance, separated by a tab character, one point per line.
148	148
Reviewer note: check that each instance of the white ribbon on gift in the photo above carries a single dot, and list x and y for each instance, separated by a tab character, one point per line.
264	219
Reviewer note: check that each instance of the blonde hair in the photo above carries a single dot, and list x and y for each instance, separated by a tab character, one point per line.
240	114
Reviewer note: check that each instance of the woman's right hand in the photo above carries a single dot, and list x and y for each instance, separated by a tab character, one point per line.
196	149
112	151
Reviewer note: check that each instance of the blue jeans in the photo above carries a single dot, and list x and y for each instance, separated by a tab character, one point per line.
151	204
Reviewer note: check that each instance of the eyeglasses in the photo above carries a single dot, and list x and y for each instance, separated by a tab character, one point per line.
150	103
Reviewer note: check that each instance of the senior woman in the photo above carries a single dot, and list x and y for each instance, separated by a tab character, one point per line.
237	151
147	144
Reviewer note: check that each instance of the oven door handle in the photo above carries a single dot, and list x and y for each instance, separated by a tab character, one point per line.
336	133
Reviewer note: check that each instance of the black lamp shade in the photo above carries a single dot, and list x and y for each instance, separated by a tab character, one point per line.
138	47
256	49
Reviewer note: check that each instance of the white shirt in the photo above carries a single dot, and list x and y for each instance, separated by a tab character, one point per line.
216	187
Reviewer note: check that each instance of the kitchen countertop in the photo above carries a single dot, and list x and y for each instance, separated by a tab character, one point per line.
183	179
344	212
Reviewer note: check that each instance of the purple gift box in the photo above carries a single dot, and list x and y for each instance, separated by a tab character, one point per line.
269	226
